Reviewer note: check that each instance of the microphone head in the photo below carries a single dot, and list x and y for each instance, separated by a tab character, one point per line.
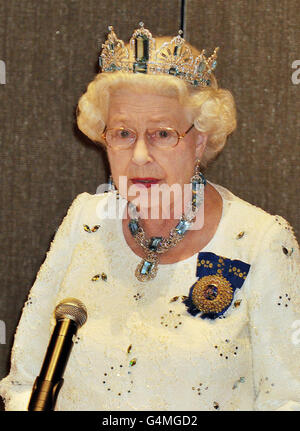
71	308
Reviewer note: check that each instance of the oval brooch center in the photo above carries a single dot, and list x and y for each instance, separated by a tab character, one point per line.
212	294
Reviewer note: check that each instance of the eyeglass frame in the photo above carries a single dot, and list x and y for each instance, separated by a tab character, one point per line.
103	135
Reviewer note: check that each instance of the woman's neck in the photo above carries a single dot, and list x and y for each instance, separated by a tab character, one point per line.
156	222
193	241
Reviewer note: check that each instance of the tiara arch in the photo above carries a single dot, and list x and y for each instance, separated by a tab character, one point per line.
174	57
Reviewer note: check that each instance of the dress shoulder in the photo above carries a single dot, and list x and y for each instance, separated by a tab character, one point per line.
243	212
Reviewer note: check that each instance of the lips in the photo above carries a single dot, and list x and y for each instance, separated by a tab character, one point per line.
145	181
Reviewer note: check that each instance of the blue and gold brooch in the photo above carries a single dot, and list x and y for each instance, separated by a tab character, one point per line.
218	278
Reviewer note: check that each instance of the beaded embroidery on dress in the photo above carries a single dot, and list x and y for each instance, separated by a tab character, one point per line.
140	348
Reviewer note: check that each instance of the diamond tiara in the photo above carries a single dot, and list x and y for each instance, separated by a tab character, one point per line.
173	58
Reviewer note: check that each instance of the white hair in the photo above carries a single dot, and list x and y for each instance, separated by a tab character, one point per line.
212	109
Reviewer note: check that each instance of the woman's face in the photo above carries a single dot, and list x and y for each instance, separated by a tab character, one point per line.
169	166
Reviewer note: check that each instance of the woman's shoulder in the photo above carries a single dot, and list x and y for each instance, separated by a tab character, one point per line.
96	208
260	225
245	211
88	202
89	198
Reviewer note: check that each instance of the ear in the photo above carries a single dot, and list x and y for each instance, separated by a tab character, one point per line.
201	141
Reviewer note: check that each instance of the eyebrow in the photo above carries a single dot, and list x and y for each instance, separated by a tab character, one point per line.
124	119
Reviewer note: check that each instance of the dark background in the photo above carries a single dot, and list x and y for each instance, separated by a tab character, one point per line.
51	52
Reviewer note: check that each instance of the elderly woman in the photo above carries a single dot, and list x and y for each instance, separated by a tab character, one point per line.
191	292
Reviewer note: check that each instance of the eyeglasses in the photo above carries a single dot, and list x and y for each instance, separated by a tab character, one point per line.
122	138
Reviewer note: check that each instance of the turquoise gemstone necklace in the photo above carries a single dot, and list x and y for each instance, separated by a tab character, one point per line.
148	267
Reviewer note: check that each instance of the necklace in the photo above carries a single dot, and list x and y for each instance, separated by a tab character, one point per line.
156	245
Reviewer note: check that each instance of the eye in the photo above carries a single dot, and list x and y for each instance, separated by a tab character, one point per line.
123	133
163	133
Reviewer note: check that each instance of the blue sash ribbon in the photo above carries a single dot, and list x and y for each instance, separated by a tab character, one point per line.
218	278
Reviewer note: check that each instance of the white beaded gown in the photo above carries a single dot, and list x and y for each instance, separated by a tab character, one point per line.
142	348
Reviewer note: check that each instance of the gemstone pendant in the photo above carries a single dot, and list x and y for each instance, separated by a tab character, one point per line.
147	268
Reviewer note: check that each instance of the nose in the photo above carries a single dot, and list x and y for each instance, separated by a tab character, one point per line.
141	154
